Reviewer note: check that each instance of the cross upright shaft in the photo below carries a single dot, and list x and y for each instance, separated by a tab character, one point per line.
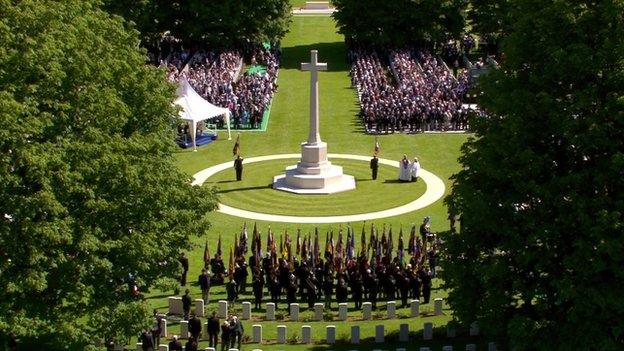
314	66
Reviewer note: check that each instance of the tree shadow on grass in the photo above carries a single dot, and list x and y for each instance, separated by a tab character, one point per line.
334	53
245	189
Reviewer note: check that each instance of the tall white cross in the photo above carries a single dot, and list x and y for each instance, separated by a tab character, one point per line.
314	66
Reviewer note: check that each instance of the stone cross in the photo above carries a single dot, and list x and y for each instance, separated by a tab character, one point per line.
314	66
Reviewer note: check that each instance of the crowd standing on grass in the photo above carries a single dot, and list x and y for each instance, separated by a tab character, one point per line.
414	91
221	78
298	271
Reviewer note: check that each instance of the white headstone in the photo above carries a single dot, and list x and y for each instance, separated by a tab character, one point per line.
343	307
437	306
175	305
210	349
294	312
199	307
184	333
425	349
491	346
163	347
246	310
281	334
270	311
367	308
471	347
223	309
391	307
415	308
447	348
428	331
474	329
306	334
139	346
404	332
233	350
163	331
257	333
379	334
318	311
355	334
331	334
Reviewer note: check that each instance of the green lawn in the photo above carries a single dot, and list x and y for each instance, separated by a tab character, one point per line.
344	133
255	192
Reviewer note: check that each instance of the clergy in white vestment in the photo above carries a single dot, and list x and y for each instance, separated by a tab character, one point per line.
405	173
414	169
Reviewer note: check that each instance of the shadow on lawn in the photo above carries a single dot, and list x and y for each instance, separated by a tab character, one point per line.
334	54
247	188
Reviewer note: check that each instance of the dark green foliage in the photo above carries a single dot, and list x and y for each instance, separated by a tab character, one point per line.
221	23
89	192
539	259
488	18
399	22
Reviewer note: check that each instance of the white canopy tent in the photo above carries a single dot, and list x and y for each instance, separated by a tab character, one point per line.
196	109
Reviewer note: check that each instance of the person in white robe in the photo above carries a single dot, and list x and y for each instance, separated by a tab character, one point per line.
414	169
404	170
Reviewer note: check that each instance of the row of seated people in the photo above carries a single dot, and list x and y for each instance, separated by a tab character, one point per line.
412	92
217	77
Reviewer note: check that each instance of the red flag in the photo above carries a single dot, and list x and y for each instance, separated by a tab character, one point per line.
206	255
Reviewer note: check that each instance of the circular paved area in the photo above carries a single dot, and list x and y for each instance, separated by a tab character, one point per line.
435	190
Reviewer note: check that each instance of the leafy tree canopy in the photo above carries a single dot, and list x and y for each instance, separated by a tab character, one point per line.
539	259
399	22
221	23
89	191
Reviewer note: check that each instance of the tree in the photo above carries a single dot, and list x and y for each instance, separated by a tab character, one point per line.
538	260
91	200
400	22
200	22
488	19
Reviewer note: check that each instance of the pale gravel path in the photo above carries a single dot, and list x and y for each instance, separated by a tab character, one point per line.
435	190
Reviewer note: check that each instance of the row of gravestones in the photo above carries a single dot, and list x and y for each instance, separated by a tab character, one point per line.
175	308
380	333
469	347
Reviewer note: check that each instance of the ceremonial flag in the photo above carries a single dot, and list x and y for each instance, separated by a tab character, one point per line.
236	247
206	255
298	243
231	264
243	240
377	147
304	250
400	248
219	252
363	241
316	253
384	241
390	244
411	246
236	149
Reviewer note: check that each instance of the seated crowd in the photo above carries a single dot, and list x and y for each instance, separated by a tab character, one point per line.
426	95
218	77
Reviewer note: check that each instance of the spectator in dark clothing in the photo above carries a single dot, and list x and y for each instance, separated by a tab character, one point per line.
185	267
194	327
191	345
175	344
186	304
204	284
213	330
226	332
147	341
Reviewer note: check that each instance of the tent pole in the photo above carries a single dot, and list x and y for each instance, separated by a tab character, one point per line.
227	120
193	134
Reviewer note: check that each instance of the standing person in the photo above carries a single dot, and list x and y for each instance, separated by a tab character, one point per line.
204	285
186	304
238	166
425	278
213	330
147	342
231	290
191	345
404	170
415	169
175	344
374	166
194	327
158	326
239	331
225	336
185	266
